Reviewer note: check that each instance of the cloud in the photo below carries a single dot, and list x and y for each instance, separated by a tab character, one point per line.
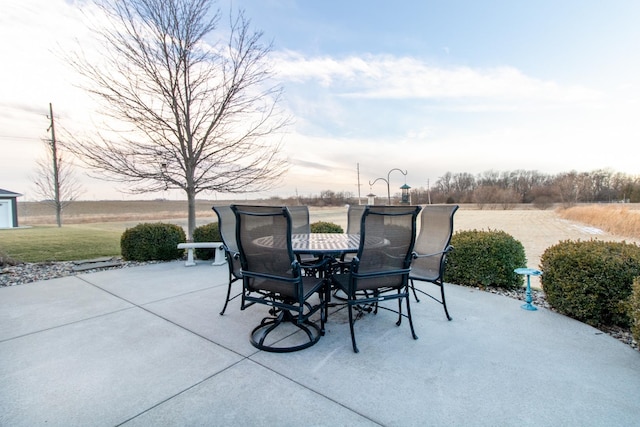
392	77
311	164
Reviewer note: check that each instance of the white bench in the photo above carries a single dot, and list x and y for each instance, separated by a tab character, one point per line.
190	246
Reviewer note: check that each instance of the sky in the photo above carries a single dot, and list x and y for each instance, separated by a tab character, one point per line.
427	87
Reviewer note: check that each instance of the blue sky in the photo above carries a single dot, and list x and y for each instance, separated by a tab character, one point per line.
426	86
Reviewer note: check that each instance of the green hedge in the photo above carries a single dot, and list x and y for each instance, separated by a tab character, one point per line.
634	309
206	233
591	280
325	227
152	241
485	258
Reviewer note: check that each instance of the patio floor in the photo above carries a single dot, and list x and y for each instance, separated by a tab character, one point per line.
146	346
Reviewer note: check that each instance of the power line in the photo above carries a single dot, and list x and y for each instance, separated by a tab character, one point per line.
31	138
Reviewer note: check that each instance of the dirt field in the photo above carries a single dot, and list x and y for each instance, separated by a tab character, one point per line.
535	229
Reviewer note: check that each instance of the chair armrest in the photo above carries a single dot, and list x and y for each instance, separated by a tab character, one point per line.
345	266
417	255
306	264
381	273
446	251
233	254
270	276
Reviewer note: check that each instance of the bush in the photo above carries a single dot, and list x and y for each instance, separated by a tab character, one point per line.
485	258
543	202
326	227
206	233
6	260
152	241
591	280
634	309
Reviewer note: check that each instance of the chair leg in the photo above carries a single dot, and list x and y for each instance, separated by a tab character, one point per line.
324	309
226	302
399	322
444	301
415	294
327	298
413	332
353	335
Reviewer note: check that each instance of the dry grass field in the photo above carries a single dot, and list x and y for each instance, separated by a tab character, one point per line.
623	220
84	212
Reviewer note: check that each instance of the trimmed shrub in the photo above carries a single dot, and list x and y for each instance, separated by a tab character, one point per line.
152	241
206	233
325	227
485	258
591	280
634	309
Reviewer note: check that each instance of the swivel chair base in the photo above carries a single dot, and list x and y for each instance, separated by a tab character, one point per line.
260	333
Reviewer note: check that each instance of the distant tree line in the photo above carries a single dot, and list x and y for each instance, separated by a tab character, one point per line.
522	186
505	189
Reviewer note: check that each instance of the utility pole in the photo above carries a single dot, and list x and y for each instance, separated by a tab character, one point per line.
56	176
358	170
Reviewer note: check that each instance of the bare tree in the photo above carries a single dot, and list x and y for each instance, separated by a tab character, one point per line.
569	187
202	115
485	195
55	181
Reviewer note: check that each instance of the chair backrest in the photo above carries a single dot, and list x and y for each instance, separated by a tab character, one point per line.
264	240
436	229
300	222
227	227
354	216
387	237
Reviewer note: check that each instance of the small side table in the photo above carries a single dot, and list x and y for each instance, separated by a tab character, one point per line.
528	272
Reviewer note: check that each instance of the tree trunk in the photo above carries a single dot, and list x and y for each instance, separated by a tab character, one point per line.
191	206
56	177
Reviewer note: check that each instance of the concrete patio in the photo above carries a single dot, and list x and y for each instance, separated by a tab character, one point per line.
146	346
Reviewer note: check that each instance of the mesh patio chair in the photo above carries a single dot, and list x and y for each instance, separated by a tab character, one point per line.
431	250
354	217
271	275
227	227
380	270
301	224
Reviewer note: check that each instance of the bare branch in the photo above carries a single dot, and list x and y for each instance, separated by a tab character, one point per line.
200	116
69	188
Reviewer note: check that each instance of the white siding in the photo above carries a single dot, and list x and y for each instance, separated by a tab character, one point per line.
6	214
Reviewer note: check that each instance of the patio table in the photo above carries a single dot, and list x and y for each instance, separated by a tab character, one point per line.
325	244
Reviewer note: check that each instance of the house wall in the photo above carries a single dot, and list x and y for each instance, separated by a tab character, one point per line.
6	218
8	213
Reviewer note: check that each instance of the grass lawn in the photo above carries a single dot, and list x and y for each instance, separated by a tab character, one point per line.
93	229
68	243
